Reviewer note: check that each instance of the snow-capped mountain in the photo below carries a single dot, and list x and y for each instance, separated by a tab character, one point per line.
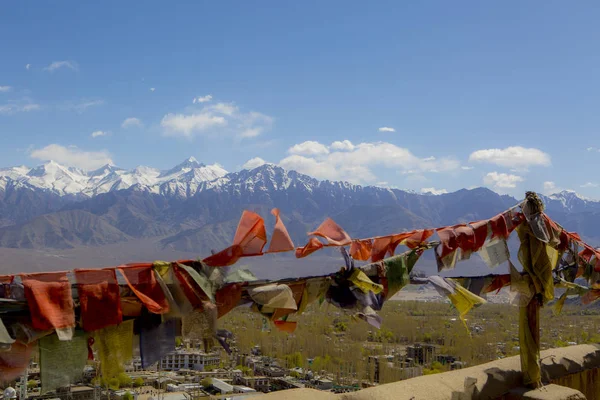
570	201
181	180
194	208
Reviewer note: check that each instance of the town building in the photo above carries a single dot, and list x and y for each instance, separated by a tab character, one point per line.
258	383
422	353
189	359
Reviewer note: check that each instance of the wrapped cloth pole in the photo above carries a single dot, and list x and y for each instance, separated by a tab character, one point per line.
538	268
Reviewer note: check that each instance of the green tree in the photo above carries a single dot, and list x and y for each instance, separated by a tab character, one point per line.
138	382
124	380
113	384
31	384
127	396
206	382
178	341
295	360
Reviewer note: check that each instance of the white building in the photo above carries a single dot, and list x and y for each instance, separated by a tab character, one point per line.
189	359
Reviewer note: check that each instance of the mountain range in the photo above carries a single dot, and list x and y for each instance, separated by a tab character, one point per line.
53	216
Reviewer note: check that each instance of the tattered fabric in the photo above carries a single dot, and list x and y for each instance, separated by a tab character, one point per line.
280	240
62	362
50	301
115	348
250	239
14	362
142	281
156	342
99	299
333	233
228	297
538	259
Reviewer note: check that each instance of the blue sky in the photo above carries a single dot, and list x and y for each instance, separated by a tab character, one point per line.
497	94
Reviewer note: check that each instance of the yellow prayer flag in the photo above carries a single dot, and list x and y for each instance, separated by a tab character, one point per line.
362	281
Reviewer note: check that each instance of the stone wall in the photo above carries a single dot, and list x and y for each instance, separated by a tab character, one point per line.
577	367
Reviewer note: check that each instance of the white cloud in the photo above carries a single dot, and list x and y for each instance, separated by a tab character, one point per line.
549	187
131	122
341	163
72	156
152	89
466	168
189	125
502	180
386	129
251	132
434	191
27	66
96	134
254	163
15	107
344	145
589	185
4	89
202	99
56	65
512	157
220	118
81	106
591	149
309	148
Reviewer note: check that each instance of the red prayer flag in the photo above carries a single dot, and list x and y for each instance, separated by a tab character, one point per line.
333	233
481	231
50	301
498	283
227	298
7	279
141	280
499	226
190	288
99	298
280	240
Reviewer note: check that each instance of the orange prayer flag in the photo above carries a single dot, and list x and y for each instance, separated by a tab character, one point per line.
414	239
361	249
251	234
249	240
286	326
50	300
7	279
313	245
15	361
333	233
142	281
280	240
380	247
